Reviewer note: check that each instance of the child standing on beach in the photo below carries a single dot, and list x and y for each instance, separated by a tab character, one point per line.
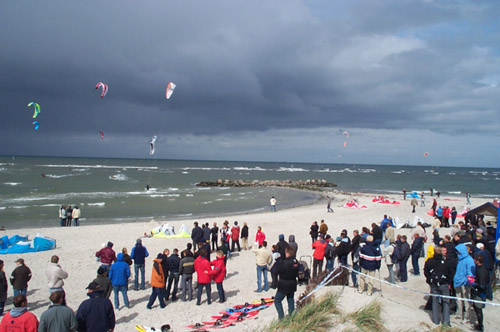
218	274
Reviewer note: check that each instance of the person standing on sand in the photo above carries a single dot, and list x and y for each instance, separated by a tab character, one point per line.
4	286
422	199
323	228
157	283
119	274
218	274
288	271
58	317
196	235
18	318
173	267
244	236
186	270
319	247
107	256
214	231
434	206
314	231
62	216
438	275
69	214
467	196
104	282
273	204
56	275
328	204
201	266
20	277
260	236
414	204
75	215
263	260
369	260
402	254
404	194
139	254
95	313
415	252
235	237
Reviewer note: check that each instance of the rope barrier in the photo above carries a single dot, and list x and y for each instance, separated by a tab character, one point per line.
420	292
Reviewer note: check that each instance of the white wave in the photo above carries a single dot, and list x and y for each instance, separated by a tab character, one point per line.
256	168
207	202
184	215
80	169
398	172
173	189
326	170
96	204
53	176
366	170
18	207
206	168
228	194
96	166
118	177
203	188
189	195
12	183
174	195
478	172
157	195
223	188
185	172
454	192
291	169
2	207
50	205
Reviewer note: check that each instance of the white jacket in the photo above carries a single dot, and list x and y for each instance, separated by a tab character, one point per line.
55	275
76	213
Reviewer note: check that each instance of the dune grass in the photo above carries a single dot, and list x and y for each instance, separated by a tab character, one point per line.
368	318
314	316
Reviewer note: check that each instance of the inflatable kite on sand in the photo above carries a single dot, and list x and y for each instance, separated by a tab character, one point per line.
166	231
354	205
20	244
383	200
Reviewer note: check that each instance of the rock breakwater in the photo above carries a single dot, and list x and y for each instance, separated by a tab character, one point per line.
312	184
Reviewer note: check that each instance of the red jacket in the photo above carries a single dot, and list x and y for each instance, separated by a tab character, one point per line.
201	264
235	233
260	237
219	271
319	247
107	255
446	212
27	322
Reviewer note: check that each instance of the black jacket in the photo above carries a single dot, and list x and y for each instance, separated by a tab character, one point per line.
215	232
437	272
288	271
104	284
3	287
244	232
314	231
377	232
95	314
197	234
403	251
282	245
20	277
173	263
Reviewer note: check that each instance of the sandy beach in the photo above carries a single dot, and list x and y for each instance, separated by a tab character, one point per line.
76	247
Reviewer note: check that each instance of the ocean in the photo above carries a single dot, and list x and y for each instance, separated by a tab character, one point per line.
114	190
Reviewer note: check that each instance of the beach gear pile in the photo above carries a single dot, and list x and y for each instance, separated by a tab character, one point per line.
166	231
231	316
20	244
383	200
354	205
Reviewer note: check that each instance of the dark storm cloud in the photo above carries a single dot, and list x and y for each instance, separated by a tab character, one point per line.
242	67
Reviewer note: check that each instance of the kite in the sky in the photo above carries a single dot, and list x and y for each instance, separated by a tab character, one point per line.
37	108
345	144
426	154
346	134
104	88
170	89
152	145
102	134
36	125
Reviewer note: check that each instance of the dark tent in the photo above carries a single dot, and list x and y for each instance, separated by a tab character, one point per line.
487	209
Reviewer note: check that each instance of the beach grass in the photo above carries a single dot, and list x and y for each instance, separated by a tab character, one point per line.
368	318
314	316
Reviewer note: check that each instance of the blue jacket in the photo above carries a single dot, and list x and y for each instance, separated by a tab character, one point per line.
119	272
139	254
465	266
370	256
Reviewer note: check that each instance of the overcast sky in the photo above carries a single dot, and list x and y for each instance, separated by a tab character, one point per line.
256	80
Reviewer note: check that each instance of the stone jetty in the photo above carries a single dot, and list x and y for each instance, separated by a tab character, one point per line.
312	184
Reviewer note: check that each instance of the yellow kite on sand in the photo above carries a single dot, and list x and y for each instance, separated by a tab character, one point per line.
166	231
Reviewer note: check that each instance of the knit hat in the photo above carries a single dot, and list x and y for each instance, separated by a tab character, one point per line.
101	271
138	241
93	286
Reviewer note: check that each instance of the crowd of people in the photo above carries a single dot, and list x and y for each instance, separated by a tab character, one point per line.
69	216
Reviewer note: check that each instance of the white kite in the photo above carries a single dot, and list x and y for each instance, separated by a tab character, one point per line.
152	145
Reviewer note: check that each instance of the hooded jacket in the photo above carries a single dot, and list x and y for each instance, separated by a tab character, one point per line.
235	233
465	266
186	265
288	271
119	272
20	276
55	275
282	245
219	271
58	318
201	264
263	256
293	244
157	276
260	237
23	322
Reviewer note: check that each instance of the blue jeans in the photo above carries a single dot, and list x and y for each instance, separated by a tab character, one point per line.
172	278
330	264
187	287
273	208
278	298
20	291
220	290
354	275
122	289
137	268
75	222
262	269
208	289
156	293
414	262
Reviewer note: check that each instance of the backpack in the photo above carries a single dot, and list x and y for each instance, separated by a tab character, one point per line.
329	252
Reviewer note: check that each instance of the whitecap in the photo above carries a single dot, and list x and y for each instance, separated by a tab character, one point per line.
118	177
12	183
189	195
96	204
291	169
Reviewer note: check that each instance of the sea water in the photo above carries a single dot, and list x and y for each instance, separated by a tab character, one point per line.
114	190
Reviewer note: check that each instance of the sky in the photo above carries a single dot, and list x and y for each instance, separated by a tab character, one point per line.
412	82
